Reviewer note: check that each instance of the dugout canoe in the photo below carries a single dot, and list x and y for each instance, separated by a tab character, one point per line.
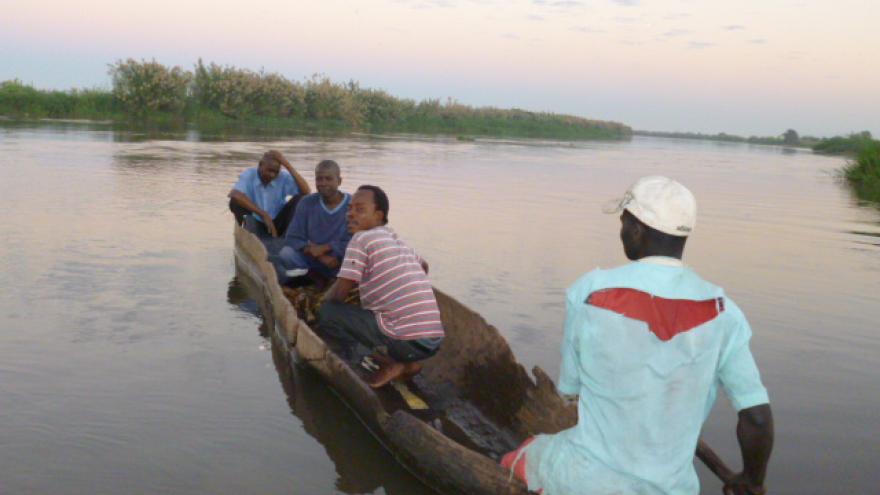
449	425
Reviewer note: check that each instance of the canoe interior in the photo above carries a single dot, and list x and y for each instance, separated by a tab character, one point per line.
481	401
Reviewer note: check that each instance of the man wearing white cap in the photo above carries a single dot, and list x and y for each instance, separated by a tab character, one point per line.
645	347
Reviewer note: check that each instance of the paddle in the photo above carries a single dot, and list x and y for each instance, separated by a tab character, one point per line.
714	462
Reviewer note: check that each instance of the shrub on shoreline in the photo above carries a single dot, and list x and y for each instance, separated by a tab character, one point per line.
863	173
212	94
852	144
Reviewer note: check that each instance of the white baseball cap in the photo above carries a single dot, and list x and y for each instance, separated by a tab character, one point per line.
660	203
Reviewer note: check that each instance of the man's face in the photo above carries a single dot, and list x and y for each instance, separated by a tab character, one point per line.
362	213
630	235
327	182
268	170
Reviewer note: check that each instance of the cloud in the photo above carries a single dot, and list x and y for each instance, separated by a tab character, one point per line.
511	36
426	4
699	45
561	4
586	29
758	41
734	27
626	3
672	33
533	17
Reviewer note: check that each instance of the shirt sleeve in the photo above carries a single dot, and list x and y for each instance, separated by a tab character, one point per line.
738	372
355	261
569	376
244	182
297	234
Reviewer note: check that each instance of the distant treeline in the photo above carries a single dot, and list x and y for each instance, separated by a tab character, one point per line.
837	145
788	138
214	95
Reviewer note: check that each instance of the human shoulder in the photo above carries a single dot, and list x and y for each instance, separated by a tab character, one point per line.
248	173
310	201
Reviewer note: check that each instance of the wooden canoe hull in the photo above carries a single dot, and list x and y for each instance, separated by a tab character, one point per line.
475	370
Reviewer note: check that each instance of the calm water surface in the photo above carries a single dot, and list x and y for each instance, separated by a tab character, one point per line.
131	360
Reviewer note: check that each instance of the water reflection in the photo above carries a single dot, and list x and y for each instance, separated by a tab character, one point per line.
362	465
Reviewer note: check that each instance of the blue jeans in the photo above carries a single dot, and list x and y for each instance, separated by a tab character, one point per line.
290	258
350	325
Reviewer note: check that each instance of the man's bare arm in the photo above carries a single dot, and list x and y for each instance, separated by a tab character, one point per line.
339	290
245	202
300	182
755	434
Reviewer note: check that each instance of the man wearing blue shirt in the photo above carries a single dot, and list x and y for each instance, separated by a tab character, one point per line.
645	347
268	193
318	235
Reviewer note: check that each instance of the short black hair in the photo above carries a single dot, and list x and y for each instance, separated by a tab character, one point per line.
380	200
328	165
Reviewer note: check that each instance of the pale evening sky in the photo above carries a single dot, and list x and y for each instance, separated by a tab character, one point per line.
752	67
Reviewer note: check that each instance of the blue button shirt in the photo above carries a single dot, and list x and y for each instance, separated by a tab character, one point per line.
270	197
642	399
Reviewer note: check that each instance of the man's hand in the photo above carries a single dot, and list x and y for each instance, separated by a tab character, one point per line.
740	485
270	225
329	261
316	250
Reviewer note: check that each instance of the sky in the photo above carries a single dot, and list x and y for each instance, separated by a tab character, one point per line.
750	67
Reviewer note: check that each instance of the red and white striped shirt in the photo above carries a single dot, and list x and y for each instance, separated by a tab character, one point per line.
393	284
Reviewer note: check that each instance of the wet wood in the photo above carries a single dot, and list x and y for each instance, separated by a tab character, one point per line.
482	401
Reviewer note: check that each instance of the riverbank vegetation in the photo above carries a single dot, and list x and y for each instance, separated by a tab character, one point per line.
788	138
863	173
846	145
221	96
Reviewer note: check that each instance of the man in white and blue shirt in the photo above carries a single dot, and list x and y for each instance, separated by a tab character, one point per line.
268	194
646	347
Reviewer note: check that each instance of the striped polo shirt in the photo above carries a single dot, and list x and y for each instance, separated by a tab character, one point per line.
393	284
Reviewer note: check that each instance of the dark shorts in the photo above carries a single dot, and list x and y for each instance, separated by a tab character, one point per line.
350	325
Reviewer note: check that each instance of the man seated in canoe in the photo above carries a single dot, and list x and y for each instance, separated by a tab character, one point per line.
268	194
645	347
318	235
398	310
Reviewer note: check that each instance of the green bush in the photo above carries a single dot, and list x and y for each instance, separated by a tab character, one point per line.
145	87
864	172
213	96
852	144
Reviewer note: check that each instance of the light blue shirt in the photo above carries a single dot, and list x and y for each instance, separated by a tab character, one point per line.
642	400
270	197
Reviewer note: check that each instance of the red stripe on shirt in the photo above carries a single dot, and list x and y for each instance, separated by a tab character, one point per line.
666	318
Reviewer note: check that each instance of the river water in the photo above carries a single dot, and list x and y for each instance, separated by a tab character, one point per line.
132	361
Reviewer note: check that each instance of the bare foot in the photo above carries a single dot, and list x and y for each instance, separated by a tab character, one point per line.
410	370
387	371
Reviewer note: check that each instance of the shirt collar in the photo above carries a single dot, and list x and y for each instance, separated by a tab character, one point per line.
661	260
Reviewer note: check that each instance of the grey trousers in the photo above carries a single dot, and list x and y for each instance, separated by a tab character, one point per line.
350	325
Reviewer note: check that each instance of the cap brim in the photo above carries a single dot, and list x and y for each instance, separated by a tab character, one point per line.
615	205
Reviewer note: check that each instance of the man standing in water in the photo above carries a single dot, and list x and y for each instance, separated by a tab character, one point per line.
398	310
645	346
317	237
263	191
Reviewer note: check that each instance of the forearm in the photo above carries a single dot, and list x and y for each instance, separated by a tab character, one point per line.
245	202
300	181
755	434
339	290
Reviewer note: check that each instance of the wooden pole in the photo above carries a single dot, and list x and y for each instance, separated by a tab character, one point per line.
714	462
